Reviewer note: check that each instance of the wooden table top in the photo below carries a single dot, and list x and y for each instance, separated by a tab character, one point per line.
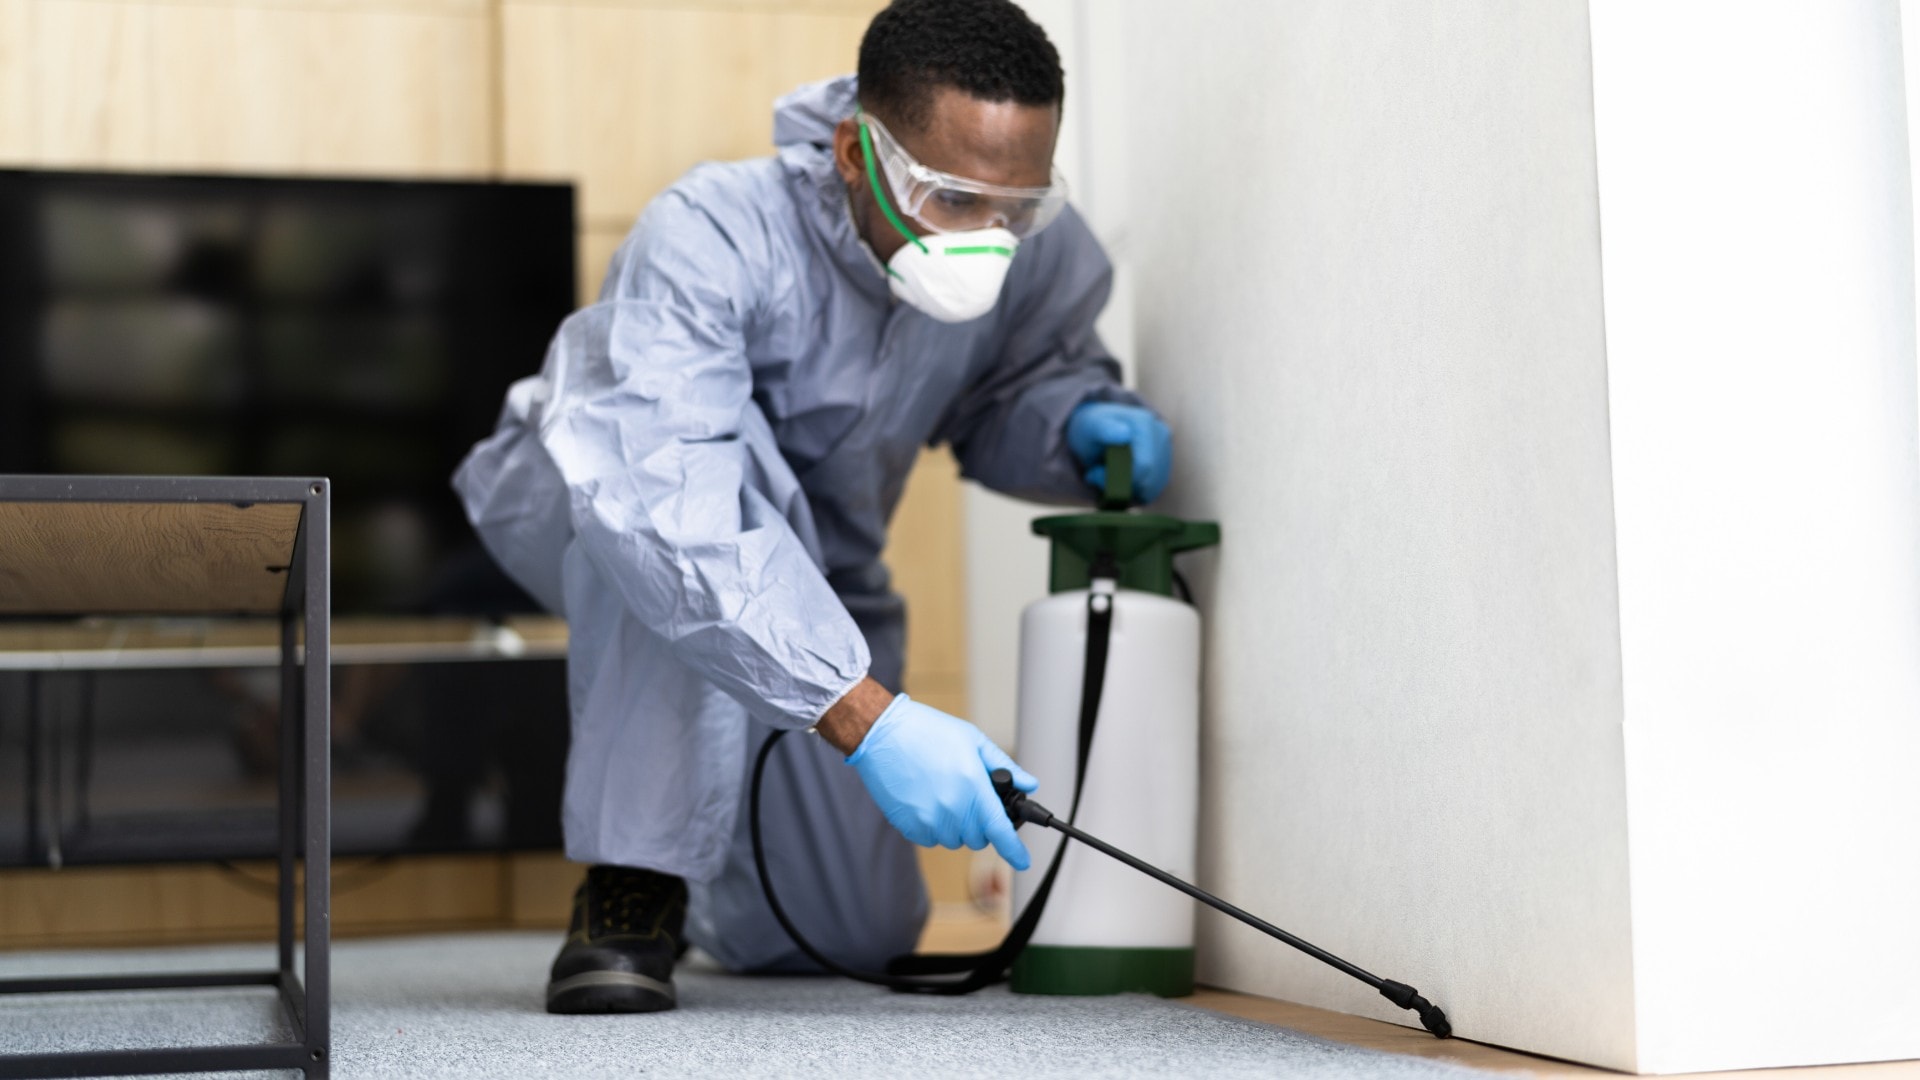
78	558
137	643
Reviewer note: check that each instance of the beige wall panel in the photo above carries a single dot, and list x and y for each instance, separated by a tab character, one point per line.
137	905
420	892
47	907
340	90
948	873
540	888
946	691
594	248
329	87
624	99
89	84
925	552
961	932
862	8
16	46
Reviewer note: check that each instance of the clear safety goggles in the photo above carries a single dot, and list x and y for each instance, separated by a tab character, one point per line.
943	202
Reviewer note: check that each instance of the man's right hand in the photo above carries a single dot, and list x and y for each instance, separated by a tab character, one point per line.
928	773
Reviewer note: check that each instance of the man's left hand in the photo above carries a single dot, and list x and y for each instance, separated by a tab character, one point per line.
1096	425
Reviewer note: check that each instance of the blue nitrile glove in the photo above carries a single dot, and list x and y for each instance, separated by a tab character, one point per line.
928	772
1096	425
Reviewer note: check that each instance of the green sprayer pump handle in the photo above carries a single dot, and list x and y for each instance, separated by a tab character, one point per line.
1118	494
1116	540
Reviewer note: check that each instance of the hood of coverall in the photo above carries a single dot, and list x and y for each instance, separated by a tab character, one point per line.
803	123
807	115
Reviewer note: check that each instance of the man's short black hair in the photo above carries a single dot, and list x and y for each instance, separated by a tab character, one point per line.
988	48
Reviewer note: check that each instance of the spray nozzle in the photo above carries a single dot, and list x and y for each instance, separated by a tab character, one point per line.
1407	997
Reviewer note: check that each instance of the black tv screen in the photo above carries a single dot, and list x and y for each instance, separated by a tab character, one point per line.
361	330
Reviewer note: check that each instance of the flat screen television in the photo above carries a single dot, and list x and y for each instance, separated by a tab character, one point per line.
361	330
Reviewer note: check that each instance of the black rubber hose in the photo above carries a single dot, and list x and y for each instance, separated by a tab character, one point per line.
905	984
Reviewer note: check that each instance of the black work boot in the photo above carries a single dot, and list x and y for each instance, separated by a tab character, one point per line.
627	930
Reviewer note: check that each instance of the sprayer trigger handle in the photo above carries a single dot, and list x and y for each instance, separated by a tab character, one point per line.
1010	796
1118	494
1020	808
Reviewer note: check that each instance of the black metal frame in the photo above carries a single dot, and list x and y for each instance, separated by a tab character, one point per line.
303	783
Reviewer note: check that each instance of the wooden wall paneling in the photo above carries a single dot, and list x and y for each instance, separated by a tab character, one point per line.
625	98
958	932
90	84
862	8
420	893
136	905
340	87
16	83
401	89
101	905
924	550
948	874
540	889
147	905
596	247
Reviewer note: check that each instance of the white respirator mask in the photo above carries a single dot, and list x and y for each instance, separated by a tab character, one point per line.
953	277
956	269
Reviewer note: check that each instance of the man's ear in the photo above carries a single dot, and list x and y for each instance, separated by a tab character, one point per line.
847	159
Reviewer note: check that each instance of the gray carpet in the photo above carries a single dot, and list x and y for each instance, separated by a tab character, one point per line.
470	1006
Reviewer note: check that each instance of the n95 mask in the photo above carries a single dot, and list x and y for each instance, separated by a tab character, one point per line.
953	277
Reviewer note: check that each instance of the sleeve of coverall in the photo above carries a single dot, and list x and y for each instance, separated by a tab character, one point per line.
653	395
1009	429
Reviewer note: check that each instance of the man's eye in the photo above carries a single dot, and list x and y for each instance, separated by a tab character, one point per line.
957	200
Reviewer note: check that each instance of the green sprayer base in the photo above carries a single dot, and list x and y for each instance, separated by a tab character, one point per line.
1084	970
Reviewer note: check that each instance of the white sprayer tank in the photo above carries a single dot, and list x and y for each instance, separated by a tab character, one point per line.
1108	928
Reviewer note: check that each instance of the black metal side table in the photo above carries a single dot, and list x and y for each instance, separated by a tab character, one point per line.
74	546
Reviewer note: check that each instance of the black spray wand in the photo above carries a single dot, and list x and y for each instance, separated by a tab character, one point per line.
1022	809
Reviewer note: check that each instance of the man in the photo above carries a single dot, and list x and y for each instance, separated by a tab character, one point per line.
701	476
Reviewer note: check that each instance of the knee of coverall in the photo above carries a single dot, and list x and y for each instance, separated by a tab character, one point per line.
884	936
741	933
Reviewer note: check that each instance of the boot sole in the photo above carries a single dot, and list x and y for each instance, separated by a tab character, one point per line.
609	992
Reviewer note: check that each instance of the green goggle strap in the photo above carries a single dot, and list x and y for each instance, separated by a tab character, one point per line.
873	177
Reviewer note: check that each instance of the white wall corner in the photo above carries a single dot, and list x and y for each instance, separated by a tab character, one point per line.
1757	223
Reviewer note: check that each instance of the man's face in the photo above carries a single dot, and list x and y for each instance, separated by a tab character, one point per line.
996	142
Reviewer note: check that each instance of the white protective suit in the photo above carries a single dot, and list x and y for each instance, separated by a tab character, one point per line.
700	480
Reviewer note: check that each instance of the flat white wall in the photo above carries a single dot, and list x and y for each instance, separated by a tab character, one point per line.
1759	316
1366	248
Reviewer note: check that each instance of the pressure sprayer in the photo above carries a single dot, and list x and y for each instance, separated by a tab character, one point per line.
1118	734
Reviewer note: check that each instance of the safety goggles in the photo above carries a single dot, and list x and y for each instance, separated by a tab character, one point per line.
942	202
